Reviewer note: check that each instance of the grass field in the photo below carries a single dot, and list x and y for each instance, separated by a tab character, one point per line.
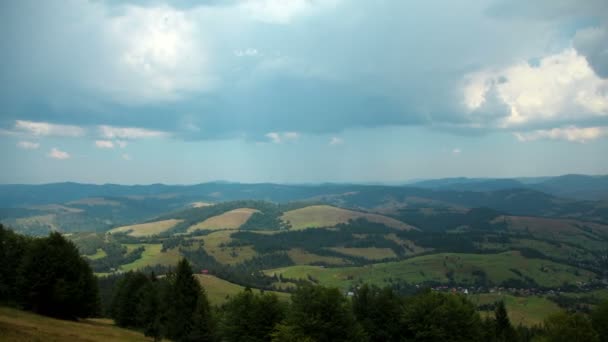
232	219
437	267
151	256
226	255
327	216
146	229
302	257
16	325
219	290
370	253
529	311
98	255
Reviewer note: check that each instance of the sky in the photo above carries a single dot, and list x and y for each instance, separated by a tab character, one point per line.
296	91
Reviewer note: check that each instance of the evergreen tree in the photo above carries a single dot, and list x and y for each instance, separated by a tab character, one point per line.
182	303
12	249
250	317
435	316
599	319
379	312
504	329
129	299
149	310
55	280
569	327
319	314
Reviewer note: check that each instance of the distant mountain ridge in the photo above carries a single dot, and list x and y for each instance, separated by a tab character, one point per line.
580	187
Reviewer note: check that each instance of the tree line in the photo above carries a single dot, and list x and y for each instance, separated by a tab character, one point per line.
48	276
176	307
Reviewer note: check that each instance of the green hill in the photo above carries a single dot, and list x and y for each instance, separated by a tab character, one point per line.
17	325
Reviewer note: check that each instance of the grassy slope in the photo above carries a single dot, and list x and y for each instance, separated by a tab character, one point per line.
370	253
152	256
219	290
302	257
529	311
232	219
226	255
16	325
326	216
98	255
435	268
147	229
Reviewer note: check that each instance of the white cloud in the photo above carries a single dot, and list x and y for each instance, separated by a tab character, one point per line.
281	137
336	141
104	144
48	129
158	54
249	52
571	133
111	132
121	143
28	145
126	156
58	154
561	89
456	151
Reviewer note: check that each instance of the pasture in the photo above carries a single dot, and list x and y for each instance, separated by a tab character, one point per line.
146	229
232	219
465	269
316	216
219	290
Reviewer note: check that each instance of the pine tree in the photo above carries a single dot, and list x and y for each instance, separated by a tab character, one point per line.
504	329
183	299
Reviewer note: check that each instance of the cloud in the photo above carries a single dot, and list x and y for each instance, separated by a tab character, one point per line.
111	132
282	11
456	151
562	88
58	154
104	144
28	145
249	52
571	133
281	137
593	44
336	141
48	129
125	156
182	68
121	143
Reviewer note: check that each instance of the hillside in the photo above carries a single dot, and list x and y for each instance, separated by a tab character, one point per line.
16	325
219	290
328	216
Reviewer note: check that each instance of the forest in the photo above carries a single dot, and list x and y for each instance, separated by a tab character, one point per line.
48	276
